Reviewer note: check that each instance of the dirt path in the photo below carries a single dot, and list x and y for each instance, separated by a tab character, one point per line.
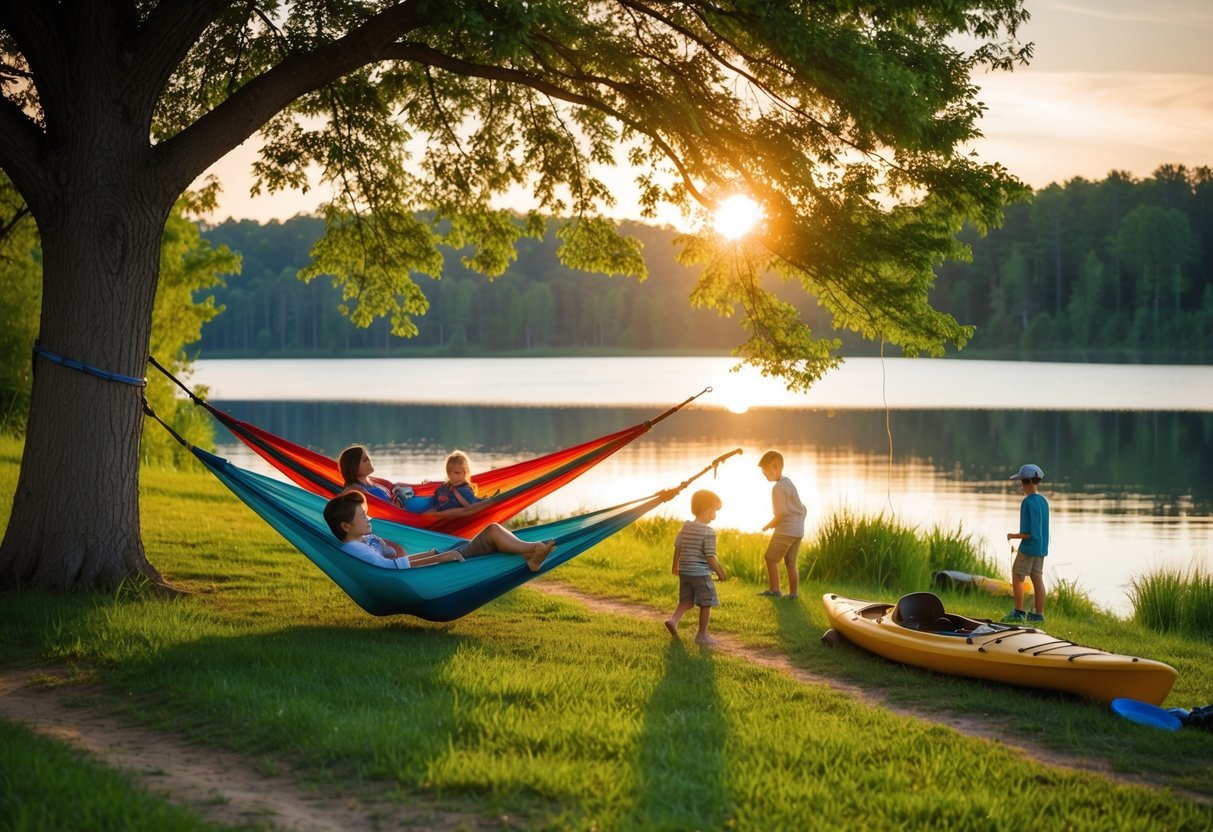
218	785
227	788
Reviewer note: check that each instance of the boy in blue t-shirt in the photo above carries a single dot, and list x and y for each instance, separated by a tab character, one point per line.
1033	535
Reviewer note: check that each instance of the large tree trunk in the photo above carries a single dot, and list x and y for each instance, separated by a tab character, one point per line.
80	152
101	254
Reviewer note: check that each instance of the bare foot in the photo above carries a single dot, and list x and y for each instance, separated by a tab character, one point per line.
672	627
705	640
538	554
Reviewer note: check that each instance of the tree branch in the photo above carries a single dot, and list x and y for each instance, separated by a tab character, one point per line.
20	144
182	158
31	25
750	59
431	57
168	34
7	226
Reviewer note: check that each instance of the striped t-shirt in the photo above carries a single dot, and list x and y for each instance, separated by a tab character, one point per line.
695	543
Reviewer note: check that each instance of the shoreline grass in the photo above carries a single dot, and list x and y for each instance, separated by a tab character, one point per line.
536	709
1174	600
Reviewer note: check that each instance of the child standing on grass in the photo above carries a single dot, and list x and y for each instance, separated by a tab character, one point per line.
1033	537
787	520
694	562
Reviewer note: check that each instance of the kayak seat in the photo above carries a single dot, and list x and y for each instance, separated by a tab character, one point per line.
921	611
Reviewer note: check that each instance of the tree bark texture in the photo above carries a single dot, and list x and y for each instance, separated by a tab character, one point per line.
83	530
100	214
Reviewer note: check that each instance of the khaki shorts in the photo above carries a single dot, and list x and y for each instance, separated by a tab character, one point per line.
1028	565
698	589
783	547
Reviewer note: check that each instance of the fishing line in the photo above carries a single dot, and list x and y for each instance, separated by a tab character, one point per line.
888	429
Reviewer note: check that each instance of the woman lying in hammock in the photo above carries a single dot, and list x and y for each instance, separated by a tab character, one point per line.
356	470
457	492
348	520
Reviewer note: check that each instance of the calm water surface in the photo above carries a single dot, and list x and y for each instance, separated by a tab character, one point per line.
1125	449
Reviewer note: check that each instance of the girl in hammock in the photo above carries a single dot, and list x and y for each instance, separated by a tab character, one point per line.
458	491
348	520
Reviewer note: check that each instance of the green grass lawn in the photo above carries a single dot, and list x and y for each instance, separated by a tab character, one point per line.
535	708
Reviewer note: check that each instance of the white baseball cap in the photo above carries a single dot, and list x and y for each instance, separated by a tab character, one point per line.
1028	472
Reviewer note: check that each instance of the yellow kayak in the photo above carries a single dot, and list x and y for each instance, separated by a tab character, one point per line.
916	630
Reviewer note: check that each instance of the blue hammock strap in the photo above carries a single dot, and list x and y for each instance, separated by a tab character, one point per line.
73	364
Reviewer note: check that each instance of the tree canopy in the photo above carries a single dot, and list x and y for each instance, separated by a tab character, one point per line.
849	123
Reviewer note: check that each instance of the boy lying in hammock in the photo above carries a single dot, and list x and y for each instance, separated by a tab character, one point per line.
348	520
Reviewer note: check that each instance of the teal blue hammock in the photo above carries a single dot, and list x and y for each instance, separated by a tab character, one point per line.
442	592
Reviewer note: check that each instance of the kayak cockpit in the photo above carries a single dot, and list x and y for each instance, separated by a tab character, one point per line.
924	612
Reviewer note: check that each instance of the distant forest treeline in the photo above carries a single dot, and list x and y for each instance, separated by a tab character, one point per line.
1120	269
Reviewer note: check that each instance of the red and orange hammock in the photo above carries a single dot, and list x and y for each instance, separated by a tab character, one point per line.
508	490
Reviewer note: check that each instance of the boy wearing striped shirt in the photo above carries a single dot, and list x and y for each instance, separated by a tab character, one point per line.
694	562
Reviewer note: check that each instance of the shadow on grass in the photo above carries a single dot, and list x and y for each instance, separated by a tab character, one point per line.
36	627
681	771
361	701
795	630
368	702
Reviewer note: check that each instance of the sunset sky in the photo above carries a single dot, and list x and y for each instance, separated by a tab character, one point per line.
1114	84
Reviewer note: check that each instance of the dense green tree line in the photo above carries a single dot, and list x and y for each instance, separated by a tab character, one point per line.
537	304
1117	269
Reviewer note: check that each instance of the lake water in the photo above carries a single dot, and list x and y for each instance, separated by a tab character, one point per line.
1126	449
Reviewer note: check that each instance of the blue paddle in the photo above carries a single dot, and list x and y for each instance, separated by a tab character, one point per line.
1144	713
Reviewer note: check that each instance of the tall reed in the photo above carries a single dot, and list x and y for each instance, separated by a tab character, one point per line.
875	550
1170	599
1068	598
955	549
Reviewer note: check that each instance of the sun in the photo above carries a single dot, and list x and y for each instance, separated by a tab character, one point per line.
735	216
738	391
